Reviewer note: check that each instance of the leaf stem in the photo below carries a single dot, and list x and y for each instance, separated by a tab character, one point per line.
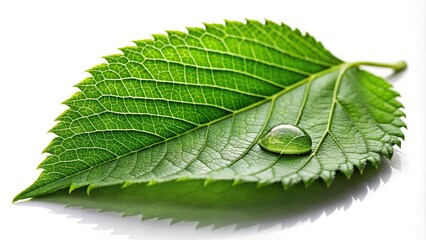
397	67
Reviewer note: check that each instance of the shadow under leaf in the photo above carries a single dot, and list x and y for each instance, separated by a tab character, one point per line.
220	204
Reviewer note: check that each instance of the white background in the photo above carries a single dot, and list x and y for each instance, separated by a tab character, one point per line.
45	47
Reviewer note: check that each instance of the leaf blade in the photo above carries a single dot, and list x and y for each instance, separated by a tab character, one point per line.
133	109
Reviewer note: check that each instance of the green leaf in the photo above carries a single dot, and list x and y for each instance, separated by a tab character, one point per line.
195	105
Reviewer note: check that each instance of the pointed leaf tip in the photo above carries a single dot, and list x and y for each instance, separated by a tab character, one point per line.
17	198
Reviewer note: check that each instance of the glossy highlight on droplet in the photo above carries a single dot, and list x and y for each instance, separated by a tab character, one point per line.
286	139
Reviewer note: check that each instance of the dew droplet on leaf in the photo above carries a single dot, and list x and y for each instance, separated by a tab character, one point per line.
286	139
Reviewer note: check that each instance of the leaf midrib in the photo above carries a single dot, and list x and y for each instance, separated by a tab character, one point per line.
267	99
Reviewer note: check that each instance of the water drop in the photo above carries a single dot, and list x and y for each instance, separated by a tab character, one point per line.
286	139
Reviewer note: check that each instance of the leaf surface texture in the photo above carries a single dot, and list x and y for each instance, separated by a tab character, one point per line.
194	106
